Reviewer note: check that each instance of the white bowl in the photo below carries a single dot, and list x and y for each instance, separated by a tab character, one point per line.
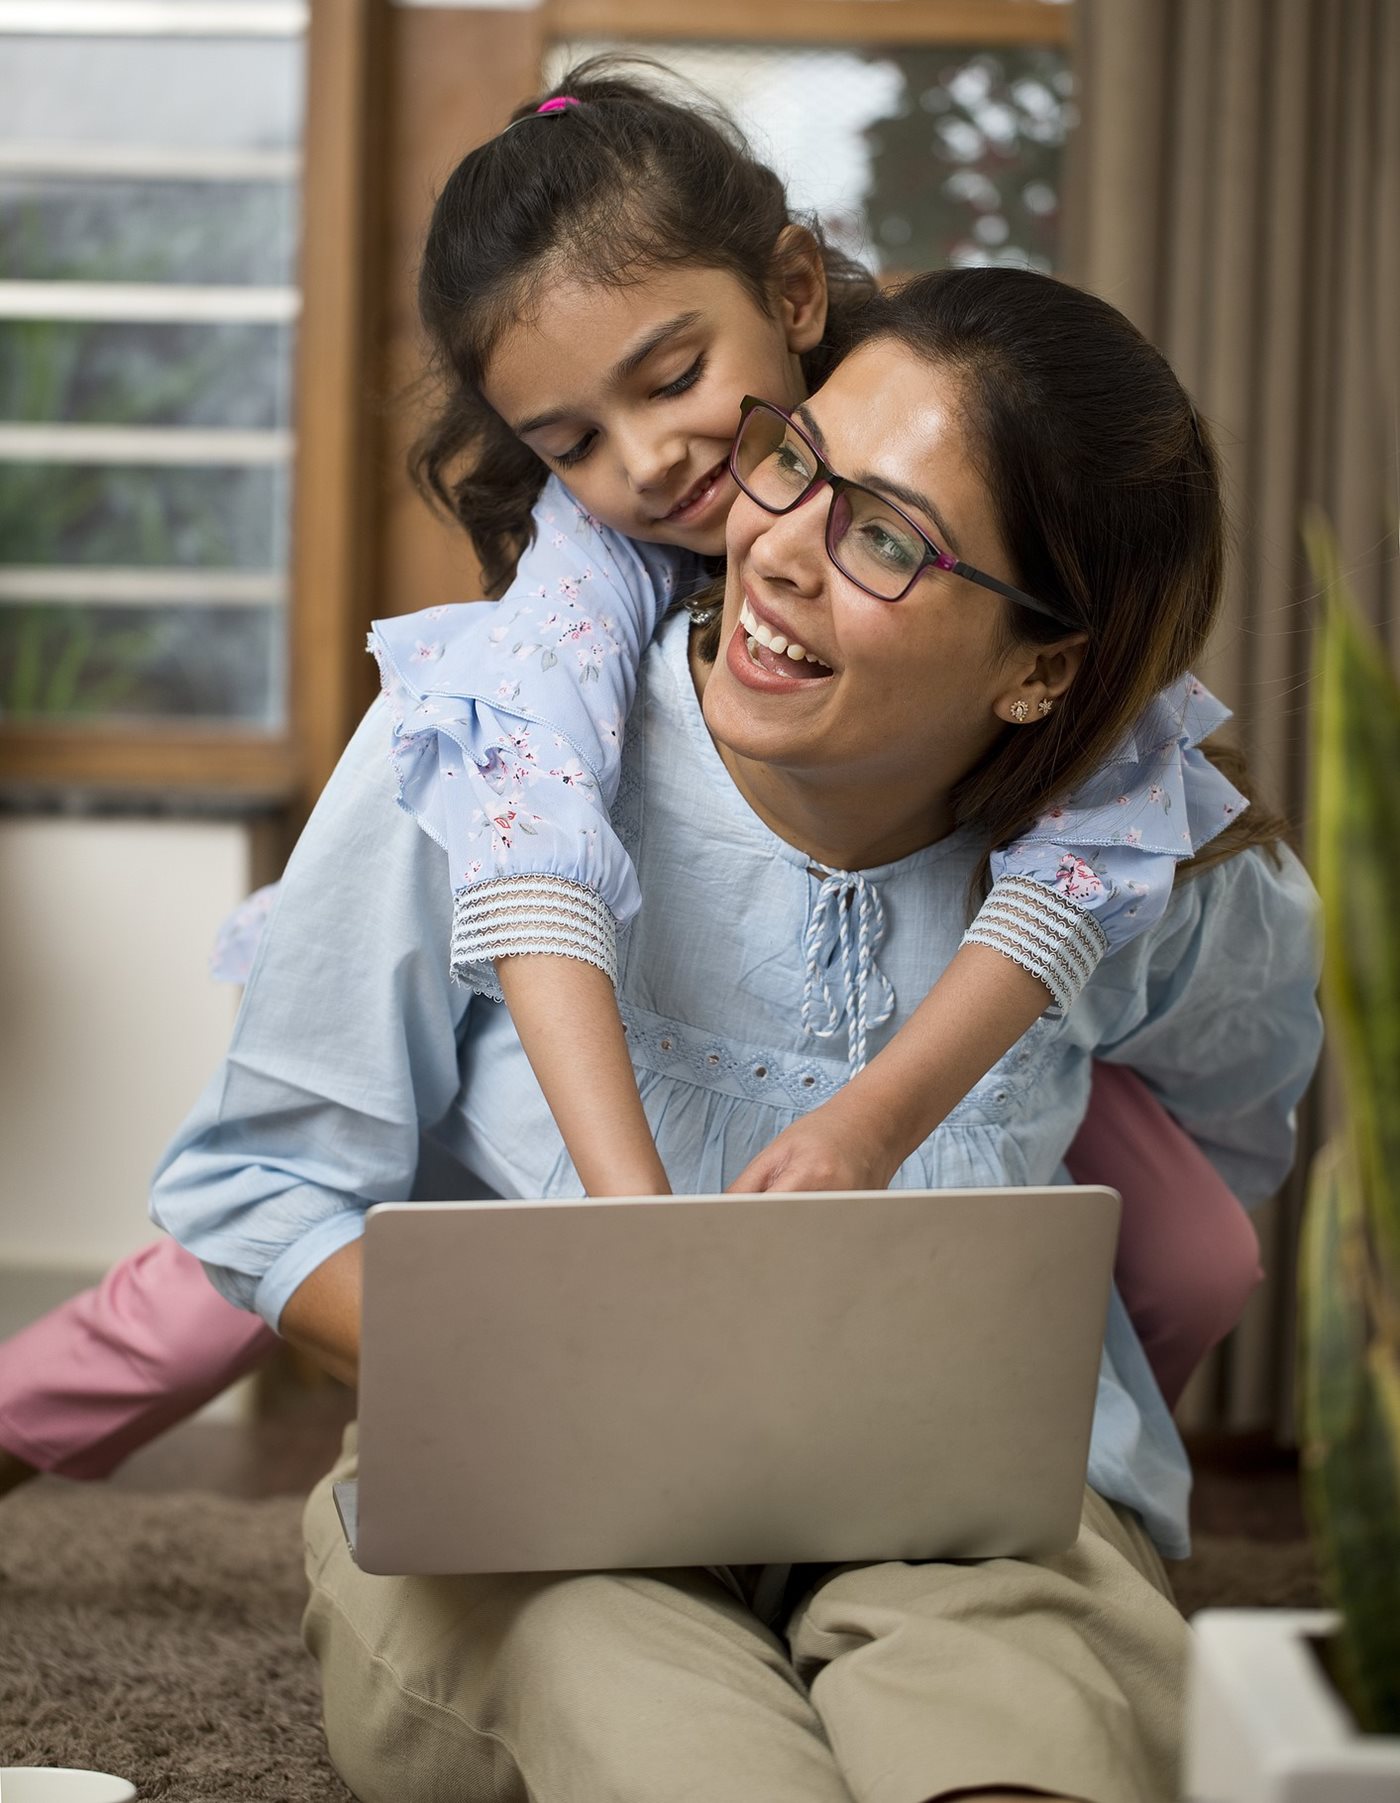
61	1784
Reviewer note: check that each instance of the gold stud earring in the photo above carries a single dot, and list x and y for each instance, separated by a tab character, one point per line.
1043	706
1019	712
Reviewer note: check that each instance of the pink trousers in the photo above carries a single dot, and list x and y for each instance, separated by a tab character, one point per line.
95	1379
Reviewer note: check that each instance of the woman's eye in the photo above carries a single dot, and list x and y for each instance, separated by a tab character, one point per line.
682	382
895	549
791	462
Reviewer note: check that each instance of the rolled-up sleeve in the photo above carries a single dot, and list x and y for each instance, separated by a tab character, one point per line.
1219	1013
345	1047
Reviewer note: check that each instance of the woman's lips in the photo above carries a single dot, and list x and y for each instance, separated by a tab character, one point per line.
757	667
767	637
700	497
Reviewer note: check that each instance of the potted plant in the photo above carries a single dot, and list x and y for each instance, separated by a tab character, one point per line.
1304	1706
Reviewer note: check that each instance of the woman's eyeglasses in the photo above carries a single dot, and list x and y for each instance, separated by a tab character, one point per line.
870	540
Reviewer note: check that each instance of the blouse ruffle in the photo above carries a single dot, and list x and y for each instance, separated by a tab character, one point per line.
1096	871
508	720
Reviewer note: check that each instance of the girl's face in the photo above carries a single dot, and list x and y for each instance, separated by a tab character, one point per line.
907	695
632	394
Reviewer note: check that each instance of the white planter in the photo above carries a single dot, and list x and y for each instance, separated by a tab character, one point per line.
1263	1723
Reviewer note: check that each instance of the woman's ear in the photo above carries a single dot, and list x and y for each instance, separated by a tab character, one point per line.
1043	682
799	281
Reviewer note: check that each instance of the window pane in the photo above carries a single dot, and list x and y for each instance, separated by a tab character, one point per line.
911	157
64	661
64	229
82	372
196	518
195	94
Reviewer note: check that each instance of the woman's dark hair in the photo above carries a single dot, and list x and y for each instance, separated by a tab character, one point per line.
1108	496
624	183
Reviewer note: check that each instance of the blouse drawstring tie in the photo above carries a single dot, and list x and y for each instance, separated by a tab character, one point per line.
831	938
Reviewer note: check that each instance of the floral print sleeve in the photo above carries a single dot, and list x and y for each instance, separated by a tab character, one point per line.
507	729
1096	871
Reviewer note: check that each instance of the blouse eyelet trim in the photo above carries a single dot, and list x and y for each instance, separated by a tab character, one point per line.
1043	932
510	916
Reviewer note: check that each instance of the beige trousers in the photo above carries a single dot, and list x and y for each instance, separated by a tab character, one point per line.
891	1683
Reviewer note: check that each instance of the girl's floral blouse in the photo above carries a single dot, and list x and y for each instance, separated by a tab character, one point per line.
508	727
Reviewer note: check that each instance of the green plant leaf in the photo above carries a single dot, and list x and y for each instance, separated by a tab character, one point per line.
1356	860
1351	1455
1349	1269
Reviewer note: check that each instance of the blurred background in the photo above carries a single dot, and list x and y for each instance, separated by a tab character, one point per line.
210	212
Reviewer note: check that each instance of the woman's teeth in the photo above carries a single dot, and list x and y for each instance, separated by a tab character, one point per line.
774	641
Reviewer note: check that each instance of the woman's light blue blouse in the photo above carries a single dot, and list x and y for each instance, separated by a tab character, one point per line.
354	1048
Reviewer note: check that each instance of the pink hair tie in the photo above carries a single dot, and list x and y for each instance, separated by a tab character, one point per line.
557	104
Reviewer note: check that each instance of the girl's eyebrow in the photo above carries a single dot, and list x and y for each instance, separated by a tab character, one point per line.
653	341
625	367
910	496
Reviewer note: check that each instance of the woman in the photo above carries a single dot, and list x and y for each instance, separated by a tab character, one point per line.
1033	433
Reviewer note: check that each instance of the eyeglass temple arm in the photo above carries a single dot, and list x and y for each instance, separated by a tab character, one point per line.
1003	588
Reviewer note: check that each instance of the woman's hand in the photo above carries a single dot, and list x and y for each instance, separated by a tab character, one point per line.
840	1145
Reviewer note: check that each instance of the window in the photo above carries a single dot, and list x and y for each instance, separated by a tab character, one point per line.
151	193
912	157
916	141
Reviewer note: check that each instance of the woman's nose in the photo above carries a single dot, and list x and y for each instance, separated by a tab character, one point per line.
791	547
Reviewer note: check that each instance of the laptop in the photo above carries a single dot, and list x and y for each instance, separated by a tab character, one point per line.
727	1380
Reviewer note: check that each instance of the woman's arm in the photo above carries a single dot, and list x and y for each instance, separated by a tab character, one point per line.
322	1315
345	1046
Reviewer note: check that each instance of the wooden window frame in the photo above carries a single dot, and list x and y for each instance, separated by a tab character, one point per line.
361	543
814	21
235	764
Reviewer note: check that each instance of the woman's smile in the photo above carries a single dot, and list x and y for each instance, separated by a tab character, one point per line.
772	651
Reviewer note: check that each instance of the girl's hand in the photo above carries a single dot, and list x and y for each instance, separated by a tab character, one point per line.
834	1147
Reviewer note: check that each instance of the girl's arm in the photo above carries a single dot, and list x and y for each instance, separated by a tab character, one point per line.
973	1015
509	723
565	1012
1087	878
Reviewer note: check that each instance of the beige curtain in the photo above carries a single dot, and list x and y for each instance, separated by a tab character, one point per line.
1234	187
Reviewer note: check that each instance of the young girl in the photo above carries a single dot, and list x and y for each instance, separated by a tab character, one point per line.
604	282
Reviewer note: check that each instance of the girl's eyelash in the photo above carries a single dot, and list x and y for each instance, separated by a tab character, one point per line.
682	382
566	459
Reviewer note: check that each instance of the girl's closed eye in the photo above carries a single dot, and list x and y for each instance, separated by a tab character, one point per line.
575	454
682	382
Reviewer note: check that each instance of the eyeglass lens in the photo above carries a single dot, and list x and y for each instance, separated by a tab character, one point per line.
867	538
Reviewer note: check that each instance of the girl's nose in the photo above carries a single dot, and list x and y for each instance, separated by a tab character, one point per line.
651	461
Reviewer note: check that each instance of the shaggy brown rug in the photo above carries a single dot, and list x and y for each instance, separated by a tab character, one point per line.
156	1636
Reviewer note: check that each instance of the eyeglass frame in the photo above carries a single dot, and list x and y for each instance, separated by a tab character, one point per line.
934	556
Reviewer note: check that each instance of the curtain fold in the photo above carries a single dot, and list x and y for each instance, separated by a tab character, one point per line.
1234	187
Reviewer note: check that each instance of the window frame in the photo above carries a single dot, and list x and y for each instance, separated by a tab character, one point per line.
361	542
325	581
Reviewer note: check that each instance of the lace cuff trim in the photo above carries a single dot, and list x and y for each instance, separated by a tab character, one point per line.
508	916
1043	932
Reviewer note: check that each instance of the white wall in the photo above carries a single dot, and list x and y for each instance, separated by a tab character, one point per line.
109	1021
